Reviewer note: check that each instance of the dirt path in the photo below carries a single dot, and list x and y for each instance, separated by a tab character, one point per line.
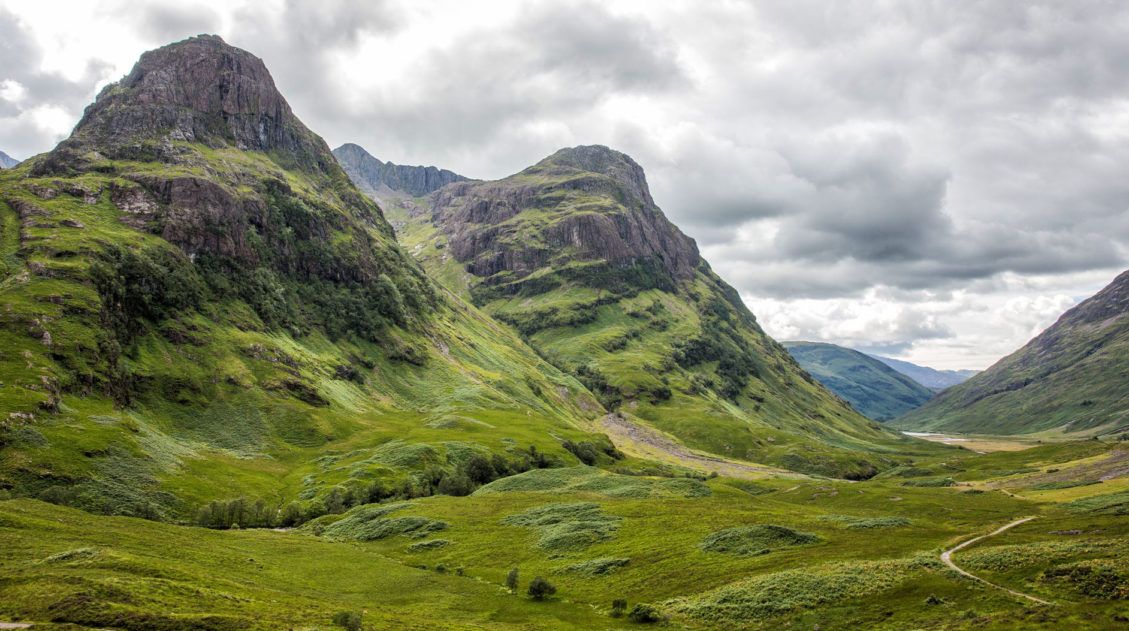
946	558
651	443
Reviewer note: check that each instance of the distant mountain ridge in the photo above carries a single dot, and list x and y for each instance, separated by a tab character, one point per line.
374	176
873	388
1073	378
7	161
929	377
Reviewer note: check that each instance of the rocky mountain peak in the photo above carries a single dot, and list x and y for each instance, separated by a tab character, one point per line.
197	90
581	204
600	160
1110	302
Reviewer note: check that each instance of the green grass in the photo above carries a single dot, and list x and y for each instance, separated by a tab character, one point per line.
753	540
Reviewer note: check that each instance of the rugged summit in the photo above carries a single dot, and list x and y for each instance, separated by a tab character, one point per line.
872	387
376	177
585	206
1073	378
200	90
7	161
574	253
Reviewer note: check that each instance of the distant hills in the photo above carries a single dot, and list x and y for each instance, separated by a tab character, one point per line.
373	176
929	377
872	387
7	161
1071	379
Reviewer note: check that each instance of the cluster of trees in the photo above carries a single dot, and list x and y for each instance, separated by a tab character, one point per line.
473	472
589	453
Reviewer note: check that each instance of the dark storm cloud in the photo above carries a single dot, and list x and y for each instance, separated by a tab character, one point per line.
474	94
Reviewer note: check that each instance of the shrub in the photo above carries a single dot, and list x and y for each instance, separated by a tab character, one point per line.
567	526
540	589
753	540
596	567
644	613
619	607
511	579
350	620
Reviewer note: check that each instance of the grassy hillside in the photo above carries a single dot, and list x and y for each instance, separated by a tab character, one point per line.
873	388
584	266
1072	379
189	321
772	554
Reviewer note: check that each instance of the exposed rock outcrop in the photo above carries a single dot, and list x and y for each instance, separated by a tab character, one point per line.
197	90
585	203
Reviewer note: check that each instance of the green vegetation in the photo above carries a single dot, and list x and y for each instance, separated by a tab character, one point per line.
759	539
232	401
1069	380
567	526
870	386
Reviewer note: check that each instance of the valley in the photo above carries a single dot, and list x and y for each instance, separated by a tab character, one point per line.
250	383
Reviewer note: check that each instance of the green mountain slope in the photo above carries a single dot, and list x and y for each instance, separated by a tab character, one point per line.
929	377
197	305
872	387
1072	379
574	254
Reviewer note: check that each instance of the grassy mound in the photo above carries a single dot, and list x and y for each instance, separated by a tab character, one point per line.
866	523
773	594
753	540
596	481
595	567
369	523
430	544
563	527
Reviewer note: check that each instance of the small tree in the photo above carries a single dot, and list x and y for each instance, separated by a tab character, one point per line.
511	579
350	620
539	588
619	607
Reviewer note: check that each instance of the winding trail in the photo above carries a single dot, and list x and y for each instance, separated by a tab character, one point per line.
648	442
946	558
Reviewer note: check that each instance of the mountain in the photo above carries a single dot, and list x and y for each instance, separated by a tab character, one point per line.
1072	379
373	176
200	307
575	255
7	161
929	377
873	388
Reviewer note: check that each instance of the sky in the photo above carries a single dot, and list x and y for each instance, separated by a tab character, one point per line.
931	180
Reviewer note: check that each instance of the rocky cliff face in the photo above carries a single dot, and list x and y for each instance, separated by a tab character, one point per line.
375	177
199	90
580	205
